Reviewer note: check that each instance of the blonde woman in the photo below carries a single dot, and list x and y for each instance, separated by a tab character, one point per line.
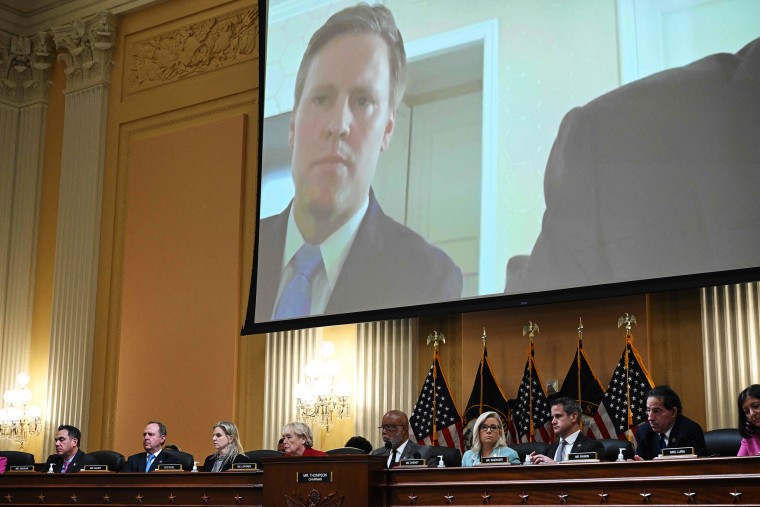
488	440
229	450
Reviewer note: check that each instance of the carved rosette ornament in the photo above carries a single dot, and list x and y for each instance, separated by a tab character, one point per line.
25	65
85	48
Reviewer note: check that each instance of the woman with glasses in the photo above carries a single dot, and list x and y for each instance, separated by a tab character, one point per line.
488	441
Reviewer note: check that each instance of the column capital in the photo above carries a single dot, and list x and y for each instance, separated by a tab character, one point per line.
85	48
25	64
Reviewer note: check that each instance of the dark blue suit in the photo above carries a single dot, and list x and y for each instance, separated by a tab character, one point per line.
685	433
387	266
582	444
80	460
137	462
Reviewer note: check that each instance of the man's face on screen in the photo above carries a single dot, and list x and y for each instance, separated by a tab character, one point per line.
341	124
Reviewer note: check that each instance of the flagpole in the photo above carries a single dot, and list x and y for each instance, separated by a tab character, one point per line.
435	337
482	365
531	328
578	360
627	319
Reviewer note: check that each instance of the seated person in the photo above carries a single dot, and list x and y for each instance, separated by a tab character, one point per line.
566	422
488	440
299	440
666	426
68	457
228	447
395	432
360	443
154	437
3	463
749	421
281	445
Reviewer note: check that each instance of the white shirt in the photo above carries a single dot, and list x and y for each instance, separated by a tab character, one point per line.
334	251
398	454
569	445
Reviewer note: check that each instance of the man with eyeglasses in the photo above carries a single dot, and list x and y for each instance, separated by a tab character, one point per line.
566	422
395	432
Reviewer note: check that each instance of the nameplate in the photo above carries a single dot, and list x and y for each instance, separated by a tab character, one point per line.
95	468
586	457
21	468
413	462
169	467
315	477
676	453
244	466
494	460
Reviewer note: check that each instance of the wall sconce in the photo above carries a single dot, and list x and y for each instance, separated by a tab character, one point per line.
319	400
18	420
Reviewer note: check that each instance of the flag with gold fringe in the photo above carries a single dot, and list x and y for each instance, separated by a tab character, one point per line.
531	420
486	394
581	384
435	419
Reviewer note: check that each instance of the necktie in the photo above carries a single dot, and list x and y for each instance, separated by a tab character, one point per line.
661	444
65	466
295	300
560	451
392	461
149	462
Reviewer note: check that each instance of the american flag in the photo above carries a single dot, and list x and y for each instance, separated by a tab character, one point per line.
611	420
531	399
435	419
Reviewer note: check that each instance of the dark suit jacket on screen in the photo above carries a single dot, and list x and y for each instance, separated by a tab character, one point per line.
137	462
387	266
411	448
685	433
582	444
657	177
80	460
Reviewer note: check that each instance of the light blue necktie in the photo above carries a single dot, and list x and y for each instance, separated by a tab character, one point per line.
295	300
151	457
561	450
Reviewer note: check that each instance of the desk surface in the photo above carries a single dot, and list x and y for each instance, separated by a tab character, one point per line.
707	481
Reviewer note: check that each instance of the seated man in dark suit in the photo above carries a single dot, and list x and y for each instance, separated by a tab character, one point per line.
154	437
68	457
566	421
333	249
666	426
395	431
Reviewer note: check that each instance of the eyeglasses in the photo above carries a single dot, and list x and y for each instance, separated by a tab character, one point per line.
492	427
390	427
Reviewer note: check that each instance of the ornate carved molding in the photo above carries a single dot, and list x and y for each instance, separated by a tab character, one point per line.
193	49
25	65
85	48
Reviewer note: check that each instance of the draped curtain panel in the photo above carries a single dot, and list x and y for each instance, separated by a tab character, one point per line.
731	347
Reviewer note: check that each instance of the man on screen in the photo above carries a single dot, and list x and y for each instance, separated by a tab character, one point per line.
657	178
333	250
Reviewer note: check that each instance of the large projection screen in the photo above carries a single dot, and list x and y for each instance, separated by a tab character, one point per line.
545	150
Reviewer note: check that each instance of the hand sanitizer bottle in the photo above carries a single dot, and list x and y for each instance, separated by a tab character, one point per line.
440	462
195	466
620	454
50	470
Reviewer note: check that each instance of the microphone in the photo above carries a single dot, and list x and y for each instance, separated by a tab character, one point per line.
388	445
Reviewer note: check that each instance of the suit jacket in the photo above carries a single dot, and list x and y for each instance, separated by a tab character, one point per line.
388	265
685	433
656	177
582	444
137	462
209	463
410	450
80	460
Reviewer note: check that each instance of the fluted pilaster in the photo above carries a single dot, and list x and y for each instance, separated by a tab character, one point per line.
85	49
25	69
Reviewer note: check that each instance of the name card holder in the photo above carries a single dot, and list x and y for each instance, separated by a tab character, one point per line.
677	453
412	463
21	468
494	460
242	467
95	468
314	477
169	467
581	457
